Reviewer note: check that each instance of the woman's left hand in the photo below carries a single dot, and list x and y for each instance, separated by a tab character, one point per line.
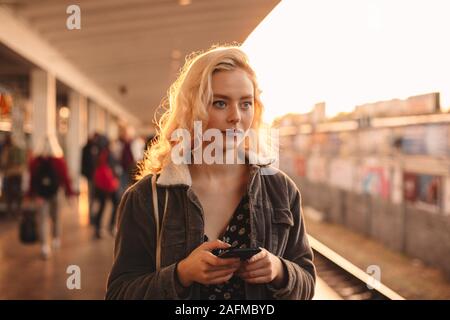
263	267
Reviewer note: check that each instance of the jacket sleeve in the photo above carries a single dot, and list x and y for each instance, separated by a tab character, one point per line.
64	174
298	258
133	274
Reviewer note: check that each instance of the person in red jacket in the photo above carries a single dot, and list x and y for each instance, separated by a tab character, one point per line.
48	173
106	186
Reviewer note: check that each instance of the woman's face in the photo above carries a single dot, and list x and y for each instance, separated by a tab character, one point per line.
232	106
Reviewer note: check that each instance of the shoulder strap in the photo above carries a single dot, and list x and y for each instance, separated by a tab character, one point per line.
156	214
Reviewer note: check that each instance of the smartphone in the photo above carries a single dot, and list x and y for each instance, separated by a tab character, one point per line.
242	253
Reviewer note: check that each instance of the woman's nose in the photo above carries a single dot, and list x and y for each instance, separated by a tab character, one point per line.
234	115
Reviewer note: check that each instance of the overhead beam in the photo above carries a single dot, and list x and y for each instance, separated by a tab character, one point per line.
19	36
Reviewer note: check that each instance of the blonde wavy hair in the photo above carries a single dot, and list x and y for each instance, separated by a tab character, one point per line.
188	99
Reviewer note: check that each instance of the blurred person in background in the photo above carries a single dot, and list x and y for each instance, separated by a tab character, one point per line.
106	188
48	172
126	158
13	164
89	158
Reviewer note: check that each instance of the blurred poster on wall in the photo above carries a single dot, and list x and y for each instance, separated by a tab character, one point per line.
429	140
373	179
341	174
422	189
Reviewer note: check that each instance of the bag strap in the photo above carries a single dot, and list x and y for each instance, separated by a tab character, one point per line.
156	214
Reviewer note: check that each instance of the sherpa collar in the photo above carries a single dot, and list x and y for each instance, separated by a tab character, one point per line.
174	174
178	174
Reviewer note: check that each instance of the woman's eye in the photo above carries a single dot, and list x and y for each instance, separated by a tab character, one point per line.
247	104
219	104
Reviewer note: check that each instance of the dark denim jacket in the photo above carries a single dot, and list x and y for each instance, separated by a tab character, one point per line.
276	224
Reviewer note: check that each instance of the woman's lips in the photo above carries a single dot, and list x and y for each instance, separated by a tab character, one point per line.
233	132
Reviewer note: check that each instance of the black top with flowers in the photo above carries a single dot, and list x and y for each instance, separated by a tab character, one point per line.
237	234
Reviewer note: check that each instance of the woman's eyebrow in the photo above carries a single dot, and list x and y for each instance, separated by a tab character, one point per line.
222	96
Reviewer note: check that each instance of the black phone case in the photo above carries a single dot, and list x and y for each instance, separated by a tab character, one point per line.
242	253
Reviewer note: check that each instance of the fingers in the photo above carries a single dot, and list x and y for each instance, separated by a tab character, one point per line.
258	269
216	276
258	256
265	263
220	273
206	268
248	275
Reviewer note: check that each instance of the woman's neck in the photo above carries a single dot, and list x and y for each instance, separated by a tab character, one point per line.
216	171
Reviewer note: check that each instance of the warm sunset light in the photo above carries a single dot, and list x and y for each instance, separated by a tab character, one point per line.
116	183
350	52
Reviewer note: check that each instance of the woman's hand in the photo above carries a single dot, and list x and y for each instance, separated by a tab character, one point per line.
263	267
204	267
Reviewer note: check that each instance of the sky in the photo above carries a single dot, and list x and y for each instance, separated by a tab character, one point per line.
350	52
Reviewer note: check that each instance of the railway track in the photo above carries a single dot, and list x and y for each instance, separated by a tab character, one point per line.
349	282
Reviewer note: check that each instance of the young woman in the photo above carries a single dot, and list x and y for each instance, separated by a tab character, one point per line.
211	205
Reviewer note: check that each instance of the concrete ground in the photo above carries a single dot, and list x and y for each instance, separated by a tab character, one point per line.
25	275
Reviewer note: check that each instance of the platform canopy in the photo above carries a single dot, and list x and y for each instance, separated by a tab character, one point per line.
126	53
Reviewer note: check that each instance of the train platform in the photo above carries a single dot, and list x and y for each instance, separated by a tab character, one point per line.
25	275
407	276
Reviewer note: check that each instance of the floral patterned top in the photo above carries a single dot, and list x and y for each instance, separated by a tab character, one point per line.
237	234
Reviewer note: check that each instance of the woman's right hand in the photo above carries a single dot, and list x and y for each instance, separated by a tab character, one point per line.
204	267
